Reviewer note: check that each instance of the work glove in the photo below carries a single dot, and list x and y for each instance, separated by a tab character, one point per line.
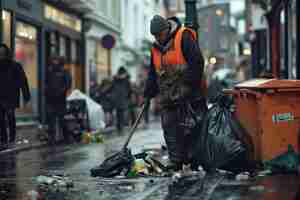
146	102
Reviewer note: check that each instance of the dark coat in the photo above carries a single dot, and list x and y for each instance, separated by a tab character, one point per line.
192	54
56	95
12	81
121	91
103	96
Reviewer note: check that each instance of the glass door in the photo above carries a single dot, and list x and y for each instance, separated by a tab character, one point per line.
26	53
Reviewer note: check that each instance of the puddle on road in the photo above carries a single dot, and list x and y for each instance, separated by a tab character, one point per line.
122	189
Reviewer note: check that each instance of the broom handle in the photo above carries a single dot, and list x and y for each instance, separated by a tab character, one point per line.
133	128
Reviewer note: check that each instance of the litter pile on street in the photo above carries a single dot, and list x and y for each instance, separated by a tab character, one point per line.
92	137
54	183
151	162
51	187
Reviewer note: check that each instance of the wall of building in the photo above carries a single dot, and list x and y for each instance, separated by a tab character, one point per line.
105	19
135	25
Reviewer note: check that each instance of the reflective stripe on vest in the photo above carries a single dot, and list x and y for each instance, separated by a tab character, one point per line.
174	56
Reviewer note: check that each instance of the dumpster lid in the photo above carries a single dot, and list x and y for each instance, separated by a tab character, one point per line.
268	84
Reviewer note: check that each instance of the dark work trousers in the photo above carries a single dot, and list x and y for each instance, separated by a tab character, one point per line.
55	118
146	115
7	121
132	113
120	119
177	124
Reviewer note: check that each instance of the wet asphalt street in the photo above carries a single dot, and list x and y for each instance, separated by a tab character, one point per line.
18	173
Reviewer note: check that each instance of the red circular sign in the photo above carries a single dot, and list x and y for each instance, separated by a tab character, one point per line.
108	41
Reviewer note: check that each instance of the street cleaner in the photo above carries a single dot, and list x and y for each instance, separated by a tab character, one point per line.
175	76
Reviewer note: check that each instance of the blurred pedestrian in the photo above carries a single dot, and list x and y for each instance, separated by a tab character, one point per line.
121	91
12	80
104	98
176	75
58	82
133	104
146	113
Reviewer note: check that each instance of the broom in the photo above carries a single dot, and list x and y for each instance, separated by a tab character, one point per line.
122	160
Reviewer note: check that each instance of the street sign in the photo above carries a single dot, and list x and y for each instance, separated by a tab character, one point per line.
108	41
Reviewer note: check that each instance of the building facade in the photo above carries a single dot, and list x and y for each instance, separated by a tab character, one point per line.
136	37
36	30
104	28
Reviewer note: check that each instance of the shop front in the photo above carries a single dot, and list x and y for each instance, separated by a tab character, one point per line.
64	37
37	30
21	28
26	53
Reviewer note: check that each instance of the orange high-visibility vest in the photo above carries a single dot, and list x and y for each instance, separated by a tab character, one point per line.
174	56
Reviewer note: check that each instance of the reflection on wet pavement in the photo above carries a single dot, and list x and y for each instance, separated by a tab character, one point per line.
18	174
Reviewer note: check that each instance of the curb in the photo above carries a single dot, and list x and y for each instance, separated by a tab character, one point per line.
40	145
37	145
24	148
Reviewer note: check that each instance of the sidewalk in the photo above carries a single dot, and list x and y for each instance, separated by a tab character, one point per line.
27	138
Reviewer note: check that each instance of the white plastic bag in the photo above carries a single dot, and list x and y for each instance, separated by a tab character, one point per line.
95	111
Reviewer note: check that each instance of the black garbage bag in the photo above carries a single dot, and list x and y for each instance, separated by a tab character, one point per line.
219	142
116	164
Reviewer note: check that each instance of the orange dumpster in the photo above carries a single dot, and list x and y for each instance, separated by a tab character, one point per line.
269	110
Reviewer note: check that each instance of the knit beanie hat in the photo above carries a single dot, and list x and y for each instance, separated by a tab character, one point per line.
158	24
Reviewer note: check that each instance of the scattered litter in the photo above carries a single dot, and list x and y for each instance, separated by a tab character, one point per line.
33	195
258	188
221	171
125	187
165	157
264	173
54	181
92	137
176	177
243	176
120	163
25	141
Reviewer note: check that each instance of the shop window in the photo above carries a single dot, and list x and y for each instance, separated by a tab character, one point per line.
6	20
62	46
53	44
74	58
26	52
62	18
101	62
116	11
173	5
103	7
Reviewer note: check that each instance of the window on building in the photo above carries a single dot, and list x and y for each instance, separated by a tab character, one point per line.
115	10
62	18
74	58
26	52
173	5
103	7
101	62
6	20
62	46
181	5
